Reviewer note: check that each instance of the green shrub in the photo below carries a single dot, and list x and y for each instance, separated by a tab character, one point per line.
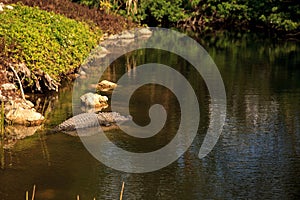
161	12
46	41
201	15
152	12
90	3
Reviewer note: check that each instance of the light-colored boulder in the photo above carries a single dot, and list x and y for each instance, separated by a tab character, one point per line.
18	103
19	111
105	86
24	116
123	35
82	73
126	35
112	37
94	100
104	50
143	32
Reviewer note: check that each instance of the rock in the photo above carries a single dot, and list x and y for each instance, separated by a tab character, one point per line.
105	86
8	86
125	42
19	111
100	52
18	103
123	35
126	35
112	37
104	50
27	104
24	116
143	32
94	100
82	73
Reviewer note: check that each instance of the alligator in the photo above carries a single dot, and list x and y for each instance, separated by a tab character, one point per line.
88	120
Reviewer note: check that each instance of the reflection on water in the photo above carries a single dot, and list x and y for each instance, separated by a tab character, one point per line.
257	155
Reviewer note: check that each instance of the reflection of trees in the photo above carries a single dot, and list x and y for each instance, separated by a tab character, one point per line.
260	138
254	70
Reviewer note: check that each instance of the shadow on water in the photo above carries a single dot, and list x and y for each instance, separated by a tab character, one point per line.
257	155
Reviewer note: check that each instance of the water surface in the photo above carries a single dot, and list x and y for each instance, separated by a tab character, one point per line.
256	157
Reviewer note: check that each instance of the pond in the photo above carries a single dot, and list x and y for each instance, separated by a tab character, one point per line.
256	157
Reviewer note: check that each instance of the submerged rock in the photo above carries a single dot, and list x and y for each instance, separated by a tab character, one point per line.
24	116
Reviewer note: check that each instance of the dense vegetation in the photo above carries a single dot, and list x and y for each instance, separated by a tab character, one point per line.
274	15
44	41
202	15
47	42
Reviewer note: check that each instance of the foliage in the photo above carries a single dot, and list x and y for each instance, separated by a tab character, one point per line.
153	12
90	3
203	15
217	14
46	41
279	15
160	11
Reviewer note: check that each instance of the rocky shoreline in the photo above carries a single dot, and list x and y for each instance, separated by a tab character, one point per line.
22	119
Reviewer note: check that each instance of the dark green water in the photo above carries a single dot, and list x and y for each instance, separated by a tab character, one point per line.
256	157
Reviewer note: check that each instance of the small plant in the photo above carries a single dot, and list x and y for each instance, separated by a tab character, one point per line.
105	5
